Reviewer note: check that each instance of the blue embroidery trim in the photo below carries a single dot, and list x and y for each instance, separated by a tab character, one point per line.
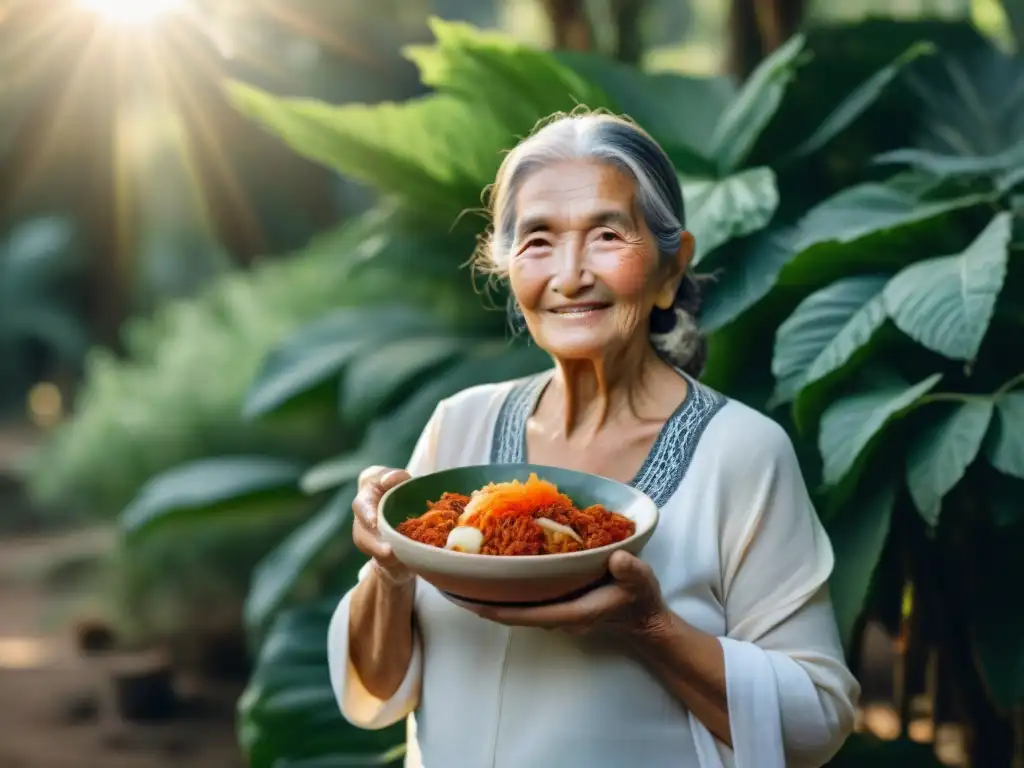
665	466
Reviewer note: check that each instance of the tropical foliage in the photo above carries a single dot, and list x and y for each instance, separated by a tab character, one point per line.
868	292
901	366
40	329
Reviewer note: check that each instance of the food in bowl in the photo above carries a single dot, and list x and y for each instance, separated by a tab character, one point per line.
516	518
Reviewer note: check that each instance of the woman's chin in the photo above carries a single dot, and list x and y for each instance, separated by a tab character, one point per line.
575	349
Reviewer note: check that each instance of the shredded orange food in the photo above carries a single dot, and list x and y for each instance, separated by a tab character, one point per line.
517	518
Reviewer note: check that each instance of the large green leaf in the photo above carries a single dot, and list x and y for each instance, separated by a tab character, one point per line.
391	437
845	54
517	83
34	253
865	229
382	374
277	577
852	423
858	537
665	104
188	493
288	713
399	430
333	472
320	351
854	105
869	228
884	220
956	166
824	332
946	304
37	258
969	103
398	242
746	271
435	152
941	453
718	210
1005	449
755	105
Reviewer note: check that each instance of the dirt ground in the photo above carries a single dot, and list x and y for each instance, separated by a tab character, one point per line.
55	706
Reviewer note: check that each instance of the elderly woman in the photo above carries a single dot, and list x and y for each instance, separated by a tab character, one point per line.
718	646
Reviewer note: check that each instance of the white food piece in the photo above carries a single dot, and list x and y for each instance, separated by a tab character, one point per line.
466	539
556	529
474	502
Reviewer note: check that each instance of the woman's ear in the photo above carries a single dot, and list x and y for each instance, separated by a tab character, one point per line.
687	247
667	295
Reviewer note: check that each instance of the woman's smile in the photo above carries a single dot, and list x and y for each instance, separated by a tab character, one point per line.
584	310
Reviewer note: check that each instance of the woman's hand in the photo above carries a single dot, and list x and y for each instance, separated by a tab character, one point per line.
630	605
373	483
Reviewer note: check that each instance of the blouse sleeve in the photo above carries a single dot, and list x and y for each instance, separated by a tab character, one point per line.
791	697
358	706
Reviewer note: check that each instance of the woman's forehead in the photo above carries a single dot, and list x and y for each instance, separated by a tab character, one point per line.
575	189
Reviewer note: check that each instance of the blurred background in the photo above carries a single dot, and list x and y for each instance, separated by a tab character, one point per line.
232	240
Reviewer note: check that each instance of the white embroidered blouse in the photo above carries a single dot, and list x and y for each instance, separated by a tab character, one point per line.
739	553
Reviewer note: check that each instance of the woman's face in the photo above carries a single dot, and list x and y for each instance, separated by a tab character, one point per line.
584	266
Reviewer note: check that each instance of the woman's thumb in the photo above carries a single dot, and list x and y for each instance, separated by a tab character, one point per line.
628	570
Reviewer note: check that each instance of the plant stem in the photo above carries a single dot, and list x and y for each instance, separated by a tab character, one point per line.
964	397
1010	384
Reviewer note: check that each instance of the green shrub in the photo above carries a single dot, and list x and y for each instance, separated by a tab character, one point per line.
176	394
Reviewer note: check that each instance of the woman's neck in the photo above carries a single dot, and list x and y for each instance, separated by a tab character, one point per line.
591	391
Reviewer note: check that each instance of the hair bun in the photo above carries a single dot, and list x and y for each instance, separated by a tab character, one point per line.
682	344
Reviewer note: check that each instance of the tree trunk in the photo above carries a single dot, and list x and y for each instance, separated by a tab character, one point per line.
629	44
569	24
757	28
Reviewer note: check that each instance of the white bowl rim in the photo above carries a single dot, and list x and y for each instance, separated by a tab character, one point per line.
382	522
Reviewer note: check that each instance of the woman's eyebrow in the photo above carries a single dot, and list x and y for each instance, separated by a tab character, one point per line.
531	224
612	218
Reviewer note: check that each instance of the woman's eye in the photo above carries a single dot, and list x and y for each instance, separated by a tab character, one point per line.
608	236
535	242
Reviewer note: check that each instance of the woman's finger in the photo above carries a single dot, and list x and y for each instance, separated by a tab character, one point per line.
368	543
391	478
371	475
373	483
365	510
630	571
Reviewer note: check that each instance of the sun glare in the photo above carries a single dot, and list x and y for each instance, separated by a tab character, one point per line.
132	12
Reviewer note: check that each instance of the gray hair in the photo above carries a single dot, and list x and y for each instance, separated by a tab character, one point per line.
623	144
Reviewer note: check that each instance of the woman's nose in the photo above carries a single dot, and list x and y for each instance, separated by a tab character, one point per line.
571	274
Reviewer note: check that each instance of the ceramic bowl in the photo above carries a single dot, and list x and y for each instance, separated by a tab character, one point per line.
521	580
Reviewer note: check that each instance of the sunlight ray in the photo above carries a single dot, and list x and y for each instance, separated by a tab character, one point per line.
320	33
